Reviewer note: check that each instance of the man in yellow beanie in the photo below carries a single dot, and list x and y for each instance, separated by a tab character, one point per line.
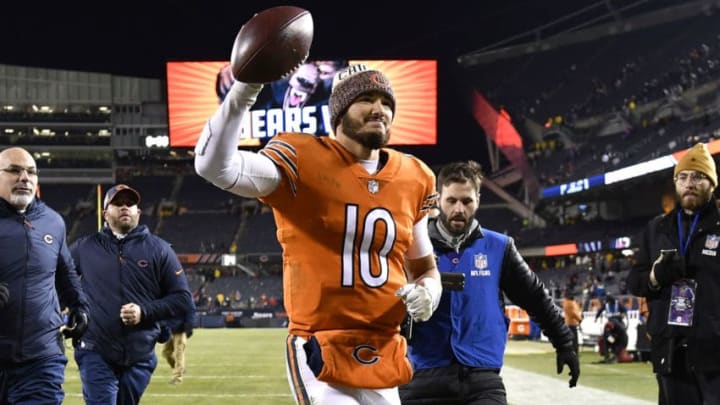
698	159
678	271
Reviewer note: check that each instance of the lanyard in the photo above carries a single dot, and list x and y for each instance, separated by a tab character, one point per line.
685	243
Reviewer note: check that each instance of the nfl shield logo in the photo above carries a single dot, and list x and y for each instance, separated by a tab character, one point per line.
481	261
373	186
712	242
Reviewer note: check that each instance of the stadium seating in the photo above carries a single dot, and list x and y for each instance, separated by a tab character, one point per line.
259	235
190	232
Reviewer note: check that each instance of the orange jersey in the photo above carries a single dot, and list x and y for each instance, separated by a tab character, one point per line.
572	313
344	232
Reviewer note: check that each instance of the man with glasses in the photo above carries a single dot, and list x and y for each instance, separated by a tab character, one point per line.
678	270
37	278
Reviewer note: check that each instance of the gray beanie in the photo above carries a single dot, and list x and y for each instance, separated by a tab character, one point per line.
350	83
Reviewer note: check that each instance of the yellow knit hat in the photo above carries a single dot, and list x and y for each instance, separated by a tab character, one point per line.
699	159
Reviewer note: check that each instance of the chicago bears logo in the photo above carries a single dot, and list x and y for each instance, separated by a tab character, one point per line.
48	239
379	80
364	354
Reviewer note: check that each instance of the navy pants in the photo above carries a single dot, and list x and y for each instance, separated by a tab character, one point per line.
105	383
454	384
36	382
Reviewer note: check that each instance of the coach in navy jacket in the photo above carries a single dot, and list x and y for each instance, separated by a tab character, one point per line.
37	276
458	353
133	280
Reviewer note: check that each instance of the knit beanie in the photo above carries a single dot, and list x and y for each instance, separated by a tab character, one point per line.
350	83
698	159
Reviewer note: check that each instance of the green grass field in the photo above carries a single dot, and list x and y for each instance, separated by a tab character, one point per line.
247	366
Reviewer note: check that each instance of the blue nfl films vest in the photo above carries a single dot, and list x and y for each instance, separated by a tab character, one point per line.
472	320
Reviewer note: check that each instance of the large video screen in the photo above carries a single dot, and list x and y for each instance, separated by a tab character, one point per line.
298	103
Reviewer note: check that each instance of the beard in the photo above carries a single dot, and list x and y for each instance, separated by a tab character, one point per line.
21	201
371	139
695	200
454	229
120	226
124	228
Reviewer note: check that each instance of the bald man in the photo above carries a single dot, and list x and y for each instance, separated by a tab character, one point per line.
37	278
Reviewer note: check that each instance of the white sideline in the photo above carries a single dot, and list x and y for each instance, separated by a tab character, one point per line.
200	395
524	387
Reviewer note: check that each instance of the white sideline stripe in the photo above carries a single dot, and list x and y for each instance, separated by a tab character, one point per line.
524	387
199	395
201	377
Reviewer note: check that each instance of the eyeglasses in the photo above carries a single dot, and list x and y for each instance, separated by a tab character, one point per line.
17	170
693	178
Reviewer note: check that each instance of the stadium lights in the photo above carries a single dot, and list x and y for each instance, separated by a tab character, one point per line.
627	252
228	260
43	132
44	109
41	155
160	141
626	173
623	243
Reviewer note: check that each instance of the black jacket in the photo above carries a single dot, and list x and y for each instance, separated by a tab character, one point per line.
702	264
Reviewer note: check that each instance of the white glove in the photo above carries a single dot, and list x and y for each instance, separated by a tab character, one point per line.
421	301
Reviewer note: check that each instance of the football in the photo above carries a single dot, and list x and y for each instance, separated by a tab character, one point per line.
272	44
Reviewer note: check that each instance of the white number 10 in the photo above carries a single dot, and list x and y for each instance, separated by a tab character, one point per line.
368	235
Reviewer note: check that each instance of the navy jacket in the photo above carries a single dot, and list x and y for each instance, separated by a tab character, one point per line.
469	326
185	323
140	268
36	264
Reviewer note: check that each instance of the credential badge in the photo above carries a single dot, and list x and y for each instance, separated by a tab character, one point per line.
373	186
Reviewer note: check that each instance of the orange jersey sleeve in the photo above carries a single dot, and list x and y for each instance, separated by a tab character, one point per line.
572	313
344	232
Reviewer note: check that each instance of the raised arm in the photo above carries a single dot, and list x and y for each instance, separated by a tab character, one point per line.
217	158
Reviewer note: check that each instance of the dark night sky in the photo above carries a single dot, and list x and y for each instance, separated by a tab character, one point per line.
136	40
131	39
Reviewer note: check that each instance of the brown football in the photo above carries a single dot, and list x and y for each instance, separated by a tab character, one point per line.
272	44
